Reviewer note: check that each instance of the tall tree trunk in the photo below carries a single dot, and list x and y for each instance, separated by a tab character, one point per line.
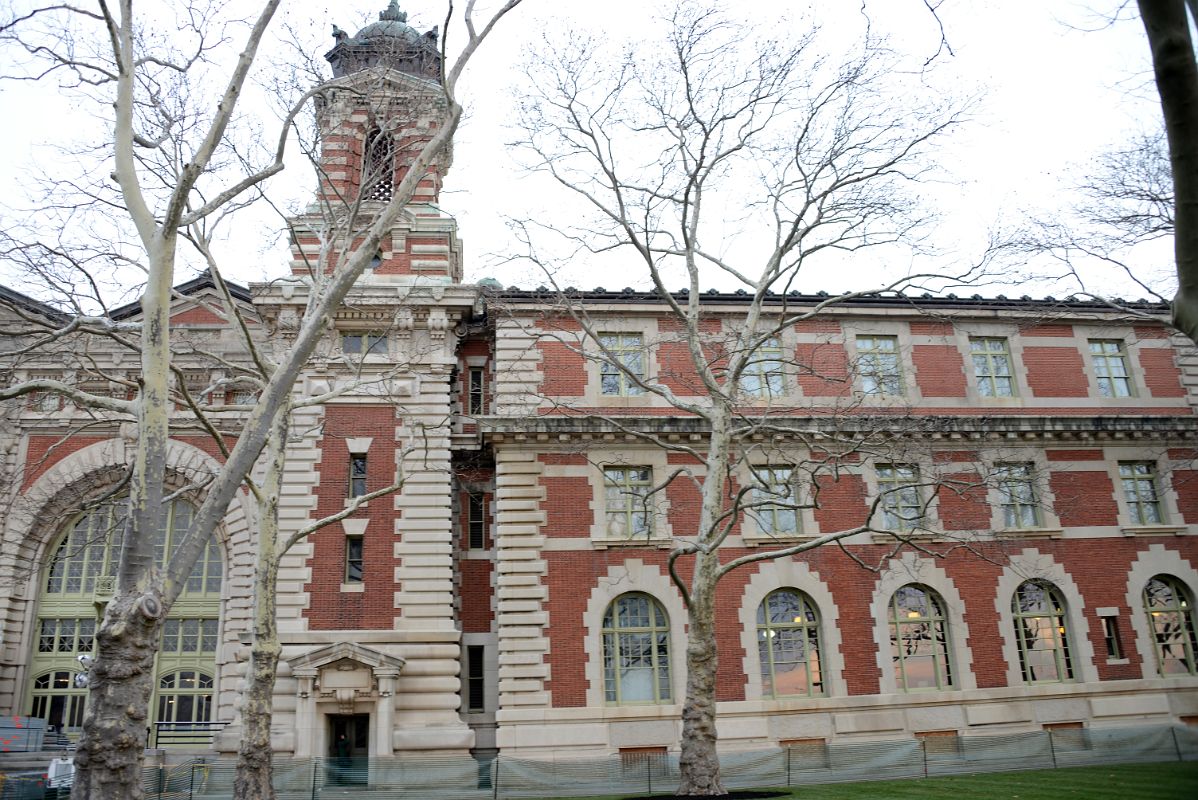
109	759
255	765
1176	71
700	765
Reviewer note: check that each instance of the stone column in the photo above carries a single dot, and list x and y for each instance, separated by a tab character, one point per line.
305	714
385	725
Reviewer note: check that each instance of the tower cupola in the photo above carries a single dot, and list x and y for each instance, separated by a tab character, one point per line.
390	43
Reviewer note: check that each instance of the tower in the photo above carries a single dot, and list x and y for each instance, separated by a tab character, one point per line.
381	107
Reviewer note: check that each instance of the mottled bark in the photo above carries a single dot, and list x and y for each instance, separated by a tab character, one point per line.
699	763
109	759
255	766
1176	73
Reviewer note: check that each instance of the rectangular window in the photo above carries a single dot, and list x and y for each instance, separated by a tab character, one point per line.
902	503
773	489
476	696
1140	491
189	636
476	522
1017	487
45	401
878	365
357	474
626	491
623	365
354	561
362	344
992	367
1110	367
475	401
1110	635
762	376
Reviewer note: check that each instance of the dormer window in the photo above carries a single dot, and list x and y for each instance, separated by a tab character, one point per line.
378	167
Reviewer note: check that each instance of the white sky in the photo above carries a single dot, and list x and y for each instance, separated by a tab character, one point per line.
1052	96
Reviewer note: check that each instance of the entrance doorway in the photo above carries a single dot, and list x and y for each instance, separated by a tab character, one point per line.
349	749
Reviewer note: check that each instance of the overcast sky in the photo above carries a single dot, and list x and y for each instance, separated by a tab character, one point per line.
1056	87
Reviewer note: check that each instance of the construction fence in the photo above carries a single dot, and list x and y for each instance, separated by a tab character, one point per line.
808	763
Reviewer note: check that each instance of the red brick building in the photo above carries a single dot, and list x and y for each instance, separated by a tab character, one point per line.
1028	467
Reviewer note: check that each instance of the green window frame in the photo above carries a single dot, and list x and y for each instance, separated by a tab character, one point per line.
1017	488
1170	609
1109	358
80	575
774	501
762	376
1141	491
992	368
628	507
788	645
878	365
1042	633
636	651
902	503
358	473
623	364
919	640
184	695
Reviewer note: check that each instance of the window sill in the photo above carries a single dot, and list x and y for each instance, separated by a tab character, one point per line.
1118	661
886	537
349	501
657	542
1153	530
357	586
763	540
1030	533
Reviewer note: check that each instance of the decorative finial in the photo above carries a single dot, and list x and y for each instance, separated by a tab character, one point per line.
393	13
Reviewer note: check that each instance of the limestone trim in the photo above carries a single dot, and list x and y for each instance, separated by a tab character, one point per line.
1156	560
786	573
1031	564
633	575
908	569
519	570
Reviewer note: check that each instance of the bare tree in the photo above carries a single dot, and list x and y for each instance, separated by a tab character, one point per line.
736	160
166	146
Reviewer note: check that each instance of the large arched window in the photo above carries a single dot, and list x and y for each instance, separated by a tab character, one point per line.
636	651
77	583
1042	633
1171	619
788	645
919	640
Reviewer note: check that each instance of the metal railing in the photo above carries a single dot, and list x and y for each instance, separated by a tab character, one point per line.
448	778
185	734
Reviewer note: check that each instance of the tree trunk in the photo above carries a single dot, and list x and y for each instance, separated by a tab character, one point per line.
255	765
109	759
1176	71
699	764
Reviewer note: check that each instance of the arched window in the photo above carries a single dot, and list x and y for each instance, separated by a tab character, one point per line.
1171	619
788	645
1042	633
57	700
378	166
77	582
636	651
185	696
919	640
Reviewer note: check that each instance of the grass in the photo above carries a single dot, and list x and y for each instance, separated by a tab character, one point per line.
1171	781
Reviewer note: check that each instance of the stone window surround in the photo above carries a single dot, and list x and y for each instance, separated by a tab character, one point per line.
900	330
656	460
1157	559
1166	495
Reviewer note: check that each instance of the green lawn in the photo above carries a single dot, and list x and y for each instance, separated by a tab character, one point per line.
1170	781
